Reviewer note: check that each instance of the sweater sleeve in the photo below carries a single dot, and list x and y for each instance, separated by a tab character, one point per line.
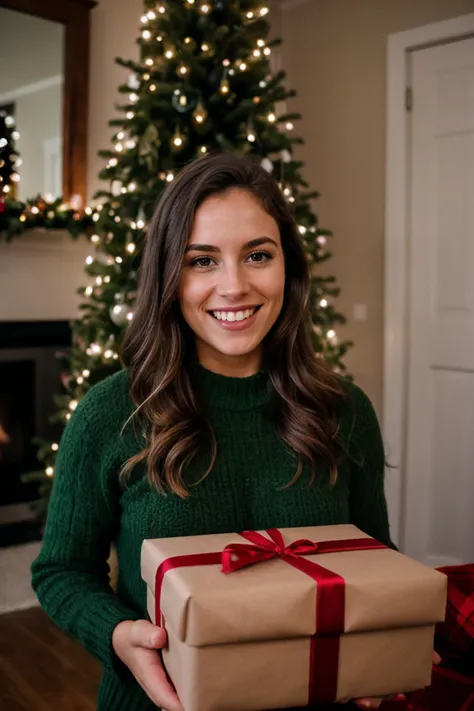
71	574
367	501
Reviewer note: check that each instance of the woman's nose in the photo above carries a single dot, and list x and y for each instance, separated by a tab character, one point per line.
233	282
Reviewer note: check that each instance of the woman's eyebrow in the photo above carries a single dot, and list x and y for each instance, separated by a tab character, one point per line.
212	248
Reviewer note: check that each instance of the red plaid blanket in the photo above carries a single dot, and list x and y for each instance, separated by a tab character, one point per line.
452	687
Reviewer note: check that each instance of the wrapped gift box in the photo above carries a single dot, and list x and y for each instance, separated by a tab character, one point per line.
278	619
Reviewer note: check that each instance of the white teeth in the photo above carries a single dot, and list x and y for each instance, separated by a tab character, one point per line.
233	315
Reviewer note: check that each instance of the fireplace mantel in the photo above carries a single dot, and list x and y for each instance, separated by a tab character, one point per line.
40	272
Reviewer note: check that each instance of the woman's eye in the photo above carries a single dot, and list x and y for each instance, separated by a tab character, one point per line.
259	257
201	262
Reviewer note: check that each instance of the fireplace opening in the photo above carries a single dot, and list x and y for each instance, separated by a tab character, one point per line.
30	370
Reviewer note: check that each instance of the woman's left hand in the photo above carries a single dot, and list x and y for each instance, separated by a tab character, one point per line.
374	703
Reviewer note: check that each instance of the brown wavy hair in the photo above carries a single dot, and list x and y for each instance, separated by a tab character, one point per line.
158	345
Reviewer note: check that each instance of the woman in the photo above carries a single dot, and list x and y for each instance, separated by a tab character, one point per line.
223	419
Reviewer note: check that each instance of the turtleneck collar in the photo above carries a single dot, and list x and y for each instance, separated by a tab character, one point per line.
231	393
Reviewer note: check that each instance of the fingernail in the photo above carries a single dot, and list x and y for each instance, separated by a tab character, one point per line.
363	704
400	697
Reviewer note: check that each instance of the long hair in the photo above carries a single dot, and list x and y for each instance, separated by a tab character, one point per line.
158	344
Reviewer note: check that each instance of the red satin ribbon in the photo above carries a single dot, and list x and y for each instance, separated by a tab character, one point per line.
330	592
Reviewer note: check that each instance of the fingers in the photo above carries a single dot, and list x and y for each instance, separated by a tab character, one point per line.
436	658
155	682
376	702
145	634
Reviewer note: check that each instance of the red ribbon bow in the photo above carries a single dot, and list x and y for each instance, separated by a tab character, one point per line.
330	591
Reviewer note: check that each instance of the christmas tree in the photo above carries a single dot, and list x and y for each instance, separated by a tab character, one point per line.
9	159
203	83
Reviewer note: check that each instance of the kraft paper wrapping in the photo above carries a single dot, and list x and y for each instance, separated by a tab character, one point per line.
274	674
241	641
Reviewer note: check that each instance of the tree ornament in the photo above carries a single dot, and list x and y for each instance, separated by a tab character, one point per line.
119	313
177	140
184	100
133	82
225	86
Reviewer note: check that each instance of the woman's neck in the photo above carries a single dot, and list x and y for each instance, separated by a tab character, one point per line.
242	366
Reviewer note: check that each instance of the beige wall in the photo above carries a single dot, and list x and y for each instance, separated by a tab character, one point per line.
335	54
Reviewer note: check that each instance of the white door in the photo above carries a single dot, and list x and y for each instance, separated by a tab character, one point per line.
439	490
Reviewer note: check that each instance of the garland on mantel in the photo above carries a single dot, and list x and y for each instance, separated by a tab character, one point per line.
44	213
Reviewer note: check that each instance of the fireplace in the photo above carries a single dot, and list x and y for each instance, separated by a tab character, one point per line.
29	378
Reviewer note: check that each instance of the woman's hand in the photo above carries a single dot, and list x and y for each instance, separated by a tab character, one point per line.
136	644
374	703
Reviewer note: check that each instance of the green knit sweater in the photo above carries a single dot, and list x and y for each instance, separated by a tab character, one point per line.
89	508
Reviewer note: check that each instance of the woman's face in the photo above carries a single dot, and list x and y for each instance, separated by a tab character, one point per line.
232	283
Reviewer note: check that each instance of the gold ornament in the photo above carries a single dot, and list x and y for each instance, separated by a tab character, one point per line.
200	113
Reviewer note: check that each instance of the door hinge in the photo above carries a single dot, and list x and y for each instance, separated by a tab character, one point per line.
409	98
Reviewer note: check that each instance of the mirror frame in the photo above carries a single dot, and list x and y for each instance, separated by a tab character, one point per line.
74	15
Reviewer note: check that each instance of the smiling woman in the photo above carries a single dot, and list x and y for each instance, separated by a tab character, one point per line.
240	425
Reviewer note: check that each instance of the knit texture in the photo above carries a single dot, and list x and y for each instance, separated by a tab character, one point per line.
89	508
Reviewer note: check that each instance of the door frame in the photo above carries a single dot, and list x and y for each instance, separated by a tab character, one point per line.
395	357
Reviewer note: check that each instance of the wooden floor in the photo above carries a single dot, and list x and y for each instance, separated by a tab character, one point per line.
41	669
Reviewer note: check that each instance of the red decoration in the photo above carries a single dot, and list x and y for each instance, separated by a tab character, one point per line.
330	593
3	206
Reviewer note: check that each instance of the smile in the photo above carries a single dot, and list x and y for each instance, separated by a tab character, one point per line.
232	316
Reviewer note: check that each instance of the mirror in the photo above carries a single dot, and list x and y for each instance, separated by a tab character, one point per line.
44	86
31	94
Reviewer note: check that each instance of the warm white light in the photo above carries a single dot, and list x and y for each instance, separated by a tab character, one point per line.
49	197
79	380
88	291
146	77
95	348
261	43
170	177
3	142
287	192
132	187
242	67
133	98
107	279
205	47
117	219
257	53
9	121
86	373
98	281
162	9
55	447
191	2
120	136
302	229
205	8
35	210
321	239
95	239
68	415
271	117
143	19
149	62
226	62
131	247
108	354
129	316
289	126
152	87
151	15
18	163
169	54
159	38
264	11
183	70
49	471
6	189
203	149
16	135
178	141
249	15
140	224
146	34
89	259
73	404
130	115
267	51
323	303
331	333
112	163
251	137
119	260
118	147
16	178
